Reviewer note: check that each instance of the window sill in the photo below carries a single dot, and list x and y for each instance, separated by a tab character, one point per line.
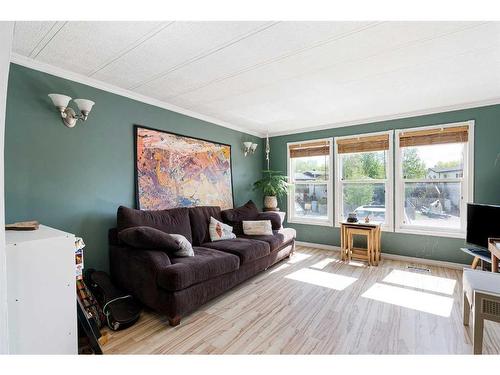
430	232
310	222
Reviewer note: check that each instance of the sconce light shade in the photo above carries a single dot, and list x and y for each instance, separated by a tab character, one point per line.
249	147
84	105
68	115
60	100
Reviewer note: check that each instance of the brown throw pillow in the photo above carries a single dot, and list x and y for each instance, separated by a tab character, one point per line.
149	238
174	220
235	216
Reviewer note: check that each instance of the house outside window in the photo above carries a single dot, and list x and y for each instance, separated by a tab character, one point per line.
434	179
363	178
309	170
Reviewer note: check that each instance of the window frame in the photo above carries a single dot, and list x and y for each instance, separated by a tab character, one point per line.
329	185
467	185
388	226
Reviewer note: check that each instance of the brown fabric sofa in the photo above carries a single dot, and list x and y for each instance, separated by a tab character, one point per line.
175	286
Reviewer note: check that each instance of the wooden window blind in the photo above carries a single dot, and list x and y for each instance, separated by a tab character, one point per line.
316	148
363	144
425	137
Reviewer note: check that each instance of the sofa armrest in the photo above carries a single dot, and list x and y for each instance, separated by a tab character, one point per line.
136	271
177	277
154	260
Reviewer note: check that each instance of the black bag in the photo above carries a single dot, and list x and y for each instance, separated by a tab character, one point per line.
120	309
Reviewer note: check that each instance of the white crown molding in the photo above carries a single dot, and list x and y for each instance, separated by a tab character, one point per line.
370	120
80	78
401	258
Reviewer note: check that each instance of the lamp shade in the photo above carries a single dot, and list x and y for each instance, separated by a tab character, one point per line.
254	146
84	105
247	145
60	100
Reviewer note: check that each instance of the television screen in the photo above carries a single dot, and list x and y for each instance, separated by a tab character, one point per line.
483	222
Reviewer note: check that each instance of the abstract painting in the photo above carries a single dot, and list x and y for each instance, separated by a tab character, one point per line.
173	170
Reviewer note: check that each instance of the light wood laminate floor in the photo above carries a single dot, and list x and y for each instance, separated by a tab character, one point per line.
315	304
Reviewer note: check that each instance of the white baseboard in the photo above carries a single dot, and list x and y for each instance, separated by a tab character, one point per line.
317	245
402	258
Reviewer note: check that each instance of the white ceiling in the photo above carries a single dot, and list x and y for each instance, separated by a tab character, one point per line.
280	77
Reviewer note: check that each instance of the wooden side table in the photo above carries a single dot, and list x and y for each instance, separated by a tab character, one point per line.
373	236
494	248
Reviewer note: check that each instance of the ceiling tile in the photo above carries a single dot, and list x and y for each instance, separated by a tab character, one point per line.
28	35
338	54
83	46
272	44
172	47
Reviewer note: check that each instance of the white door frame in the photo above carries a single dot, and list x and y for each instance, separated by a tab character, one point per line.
6	35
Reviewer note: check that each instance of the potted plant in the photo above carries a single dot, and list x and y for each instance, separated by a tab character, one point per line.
274	185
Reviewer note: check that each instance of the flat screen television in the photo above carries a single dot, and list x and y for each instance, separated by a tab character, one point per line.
483	222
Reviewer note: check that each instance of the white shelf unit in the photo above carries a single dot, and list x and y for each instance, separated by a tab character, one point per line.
41	292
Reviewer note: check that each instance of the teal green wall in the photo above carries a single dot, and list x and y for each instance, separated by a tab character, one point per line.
486	179
74	179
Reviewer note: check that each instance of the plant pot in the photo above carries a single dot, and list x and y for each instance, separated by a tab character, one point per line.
270	202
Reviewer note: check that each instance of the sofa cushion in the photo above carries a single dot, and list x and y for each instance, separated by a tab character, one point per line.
235	216
278	239
246	249
205	265
148	238
199	218
175	220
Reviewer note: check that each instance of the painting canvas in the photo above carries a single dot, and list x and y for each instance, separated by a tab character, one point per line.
178	171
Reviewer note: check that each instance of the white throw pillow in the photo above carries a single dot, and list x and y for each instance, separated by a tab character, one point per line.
186	247
220	231
257	227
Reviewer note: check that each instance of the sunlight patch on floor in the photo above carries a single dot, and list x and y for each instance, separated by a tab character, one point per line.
421	281
411	299
298	257
323	263
355	263
320	278
279	268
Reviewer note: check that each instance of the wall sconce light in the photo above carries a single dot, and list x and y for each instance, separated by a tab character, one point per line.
249	147
68	115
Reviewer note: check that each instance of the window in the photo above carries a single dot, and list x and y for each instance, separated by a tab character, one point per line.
309	172
434	179
363	177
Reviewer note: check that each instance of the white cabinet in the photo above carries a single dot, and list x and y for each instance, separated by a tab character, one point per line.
41	292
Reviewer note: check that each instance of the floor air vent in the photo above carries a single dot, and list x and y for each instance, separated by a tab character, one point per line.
415	268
